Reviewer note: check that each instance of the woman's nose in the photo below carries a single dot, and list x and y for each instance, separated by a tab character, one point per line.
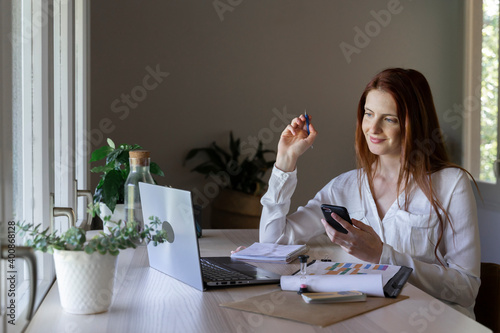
376	128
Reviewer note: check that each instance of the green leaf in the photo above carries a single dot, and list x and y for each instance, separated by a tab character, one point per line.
192	153
102	168
104	241
112	187
234	146
155	169
218	150
111	143
100	153
112	156
207	168
123	157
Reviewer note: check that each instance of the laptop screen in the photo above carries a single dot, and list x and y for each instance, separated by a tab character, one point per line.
180	256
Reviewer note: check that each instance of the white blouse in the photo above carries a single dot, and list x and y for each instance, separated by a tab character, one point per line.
409	236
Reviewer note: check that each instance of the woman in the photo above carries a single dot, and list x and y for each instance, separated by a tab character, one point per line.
410	206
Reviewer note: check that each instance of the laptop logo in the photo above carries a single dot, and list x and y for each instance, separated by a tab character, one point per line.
170	231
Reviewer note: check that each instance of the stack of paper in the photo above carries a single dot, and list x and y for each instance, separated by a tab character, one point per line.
269	252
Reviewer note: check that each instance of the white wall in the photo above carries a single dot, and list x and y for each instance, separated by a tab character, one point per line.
240	69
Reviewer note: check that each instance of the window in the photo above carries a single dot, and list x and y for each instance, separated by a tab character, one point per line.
44	113
489	91
482	100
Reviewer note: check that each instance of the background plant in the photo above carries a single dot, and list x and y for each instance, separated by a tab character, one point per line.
240	174
74	239
110	189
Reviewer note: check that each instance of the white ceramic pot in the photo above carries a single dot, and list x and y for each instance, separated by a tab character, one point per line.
85	281
117	215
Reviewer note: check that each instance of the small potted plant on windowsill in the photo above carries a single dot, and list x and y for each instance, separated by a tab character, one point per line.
109	194
238	204
85	269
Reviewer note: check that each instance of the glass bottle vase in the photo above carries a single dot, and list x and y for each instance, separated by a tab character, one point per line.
139	172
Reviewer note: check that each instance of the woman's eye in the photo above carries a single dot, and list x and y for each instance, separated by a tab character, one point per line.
390	120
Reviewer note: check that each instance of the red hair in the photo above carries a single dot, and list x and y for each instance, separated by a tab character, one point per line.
423	149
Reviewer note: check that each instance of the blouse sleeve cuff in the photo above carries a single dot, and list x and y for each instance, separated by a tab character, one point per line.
281	185
387	256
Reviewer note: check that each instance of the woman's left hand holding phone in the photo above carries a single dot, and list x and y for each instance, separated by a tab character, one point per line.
360	241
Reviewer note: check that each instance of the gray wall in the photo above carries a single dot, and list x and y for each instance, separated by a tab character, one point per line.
254	64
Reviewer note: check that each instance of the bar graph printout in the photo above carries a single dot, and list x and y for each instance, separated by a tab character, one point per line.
371	279
345	268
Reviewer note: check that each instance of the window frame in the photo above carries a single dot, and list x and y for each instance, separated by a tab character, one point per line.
41	125
6	168
488	197
64	109
5	117
82	104
32	111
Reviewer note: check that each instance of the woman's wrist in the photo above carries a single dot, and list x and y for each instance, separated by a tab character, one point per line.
285	163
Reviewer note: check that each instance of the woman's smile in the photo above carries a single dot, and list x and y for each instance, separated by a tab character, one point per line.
376	140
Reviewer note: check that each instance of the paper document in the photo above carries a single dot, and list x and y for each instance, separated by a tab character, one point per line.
368	284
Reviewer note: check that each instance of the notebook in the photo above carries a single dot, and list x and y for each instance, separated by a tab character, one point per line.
270	252
179	257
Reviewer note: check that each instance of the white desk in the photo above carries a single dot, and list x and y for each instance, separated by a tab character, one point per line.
146	300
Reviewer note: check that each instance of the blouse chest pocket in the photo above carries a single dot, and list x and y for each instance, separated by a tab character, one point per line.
415	234
360	215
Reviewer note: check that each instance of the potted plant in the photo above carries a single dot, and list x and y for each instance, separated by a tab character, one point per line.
238	203
109	194
85	269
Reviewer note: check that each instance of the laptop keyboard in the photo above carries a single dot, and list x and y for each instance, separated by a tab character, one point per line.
214	272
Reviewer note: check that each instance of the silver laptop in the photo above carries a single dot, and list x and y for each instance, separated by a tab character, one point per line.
179	257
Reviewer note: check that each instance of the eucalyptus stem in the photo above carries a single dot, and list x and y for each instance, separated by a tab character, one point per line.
121	236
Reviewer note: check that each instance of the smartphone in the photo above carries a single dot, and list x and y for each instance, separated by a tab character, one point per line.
340	211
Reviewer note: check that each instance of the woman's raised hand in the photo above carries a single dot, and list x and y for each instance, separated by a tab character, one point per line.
294	141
